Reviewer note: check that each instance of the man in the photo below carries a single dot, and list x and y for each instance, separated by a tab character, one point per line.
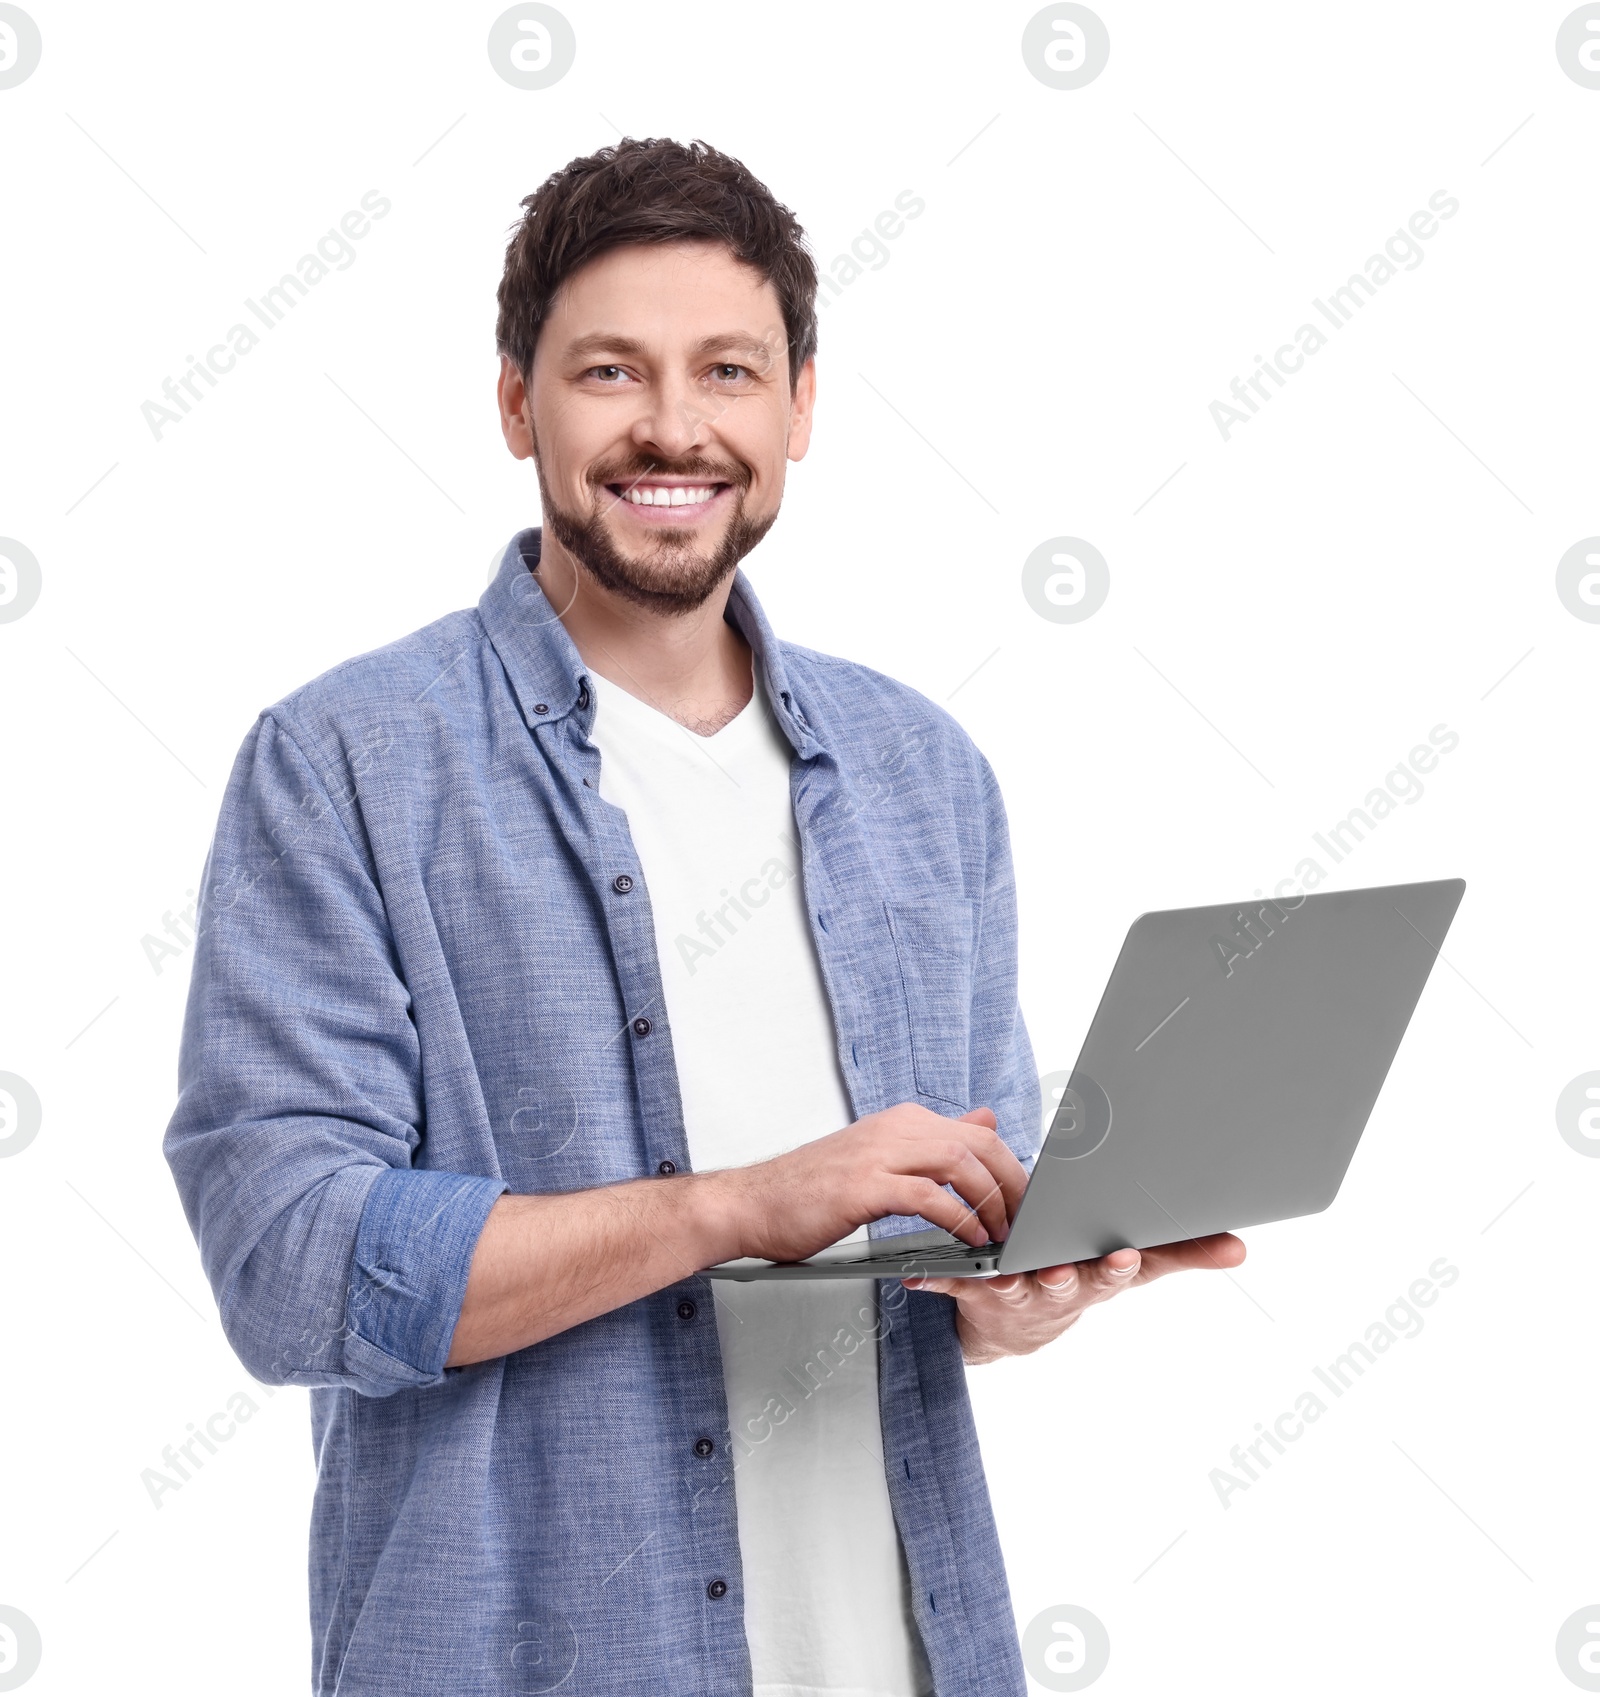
580	942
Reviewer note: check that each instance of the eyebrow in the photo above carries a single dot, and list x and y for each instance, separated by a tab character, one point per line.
727	341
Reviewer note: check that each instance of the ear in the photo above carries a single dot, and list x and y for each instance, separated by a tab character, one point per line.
516	419
801	405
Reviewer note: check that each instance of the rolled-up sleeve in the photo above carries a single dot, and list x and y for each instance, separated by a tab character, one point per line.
333	1258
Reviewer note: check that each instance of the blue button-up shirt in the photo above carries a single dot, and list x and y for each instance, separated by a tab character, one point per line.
417	986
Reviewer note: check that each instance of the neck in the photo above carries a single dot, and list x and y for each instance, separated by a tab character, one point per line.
692	666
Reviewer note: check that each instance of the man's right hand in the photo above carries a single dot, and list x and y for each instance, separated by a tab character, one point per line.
547	1262
894	1162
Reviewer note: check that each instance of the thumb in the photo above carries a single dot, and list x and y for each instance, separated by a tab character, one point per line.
981	1116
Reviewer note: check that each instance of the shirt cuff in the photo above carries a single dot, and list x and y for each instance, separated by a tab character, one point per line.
419	1228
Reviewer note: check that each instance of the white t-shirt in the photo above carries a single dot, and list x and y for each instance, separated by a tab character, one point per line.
827	1594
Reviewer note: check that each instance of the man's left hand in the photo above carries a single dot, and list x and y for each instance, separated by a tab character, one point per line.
1017	1313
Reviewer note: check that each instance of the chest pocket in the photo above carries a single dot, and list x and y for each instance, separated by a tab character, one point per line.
933	944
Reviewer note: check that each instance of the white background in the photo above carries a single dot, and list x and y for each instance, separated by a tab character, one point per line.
1370	557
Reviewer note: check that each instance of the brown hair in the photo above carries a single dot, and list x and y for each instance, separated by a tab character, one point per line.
651	191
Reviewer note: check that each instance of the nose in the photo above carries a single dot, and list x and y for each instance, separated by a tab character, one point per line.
675	420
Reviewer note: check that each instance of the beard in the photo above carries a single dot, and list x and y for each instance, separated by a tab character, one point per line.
675	574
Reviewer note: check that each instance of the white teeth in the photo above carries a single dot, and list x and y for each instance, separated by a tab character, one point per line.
659	495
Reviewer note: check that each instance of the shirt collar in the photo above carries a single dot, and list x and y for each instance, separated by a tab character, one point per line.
548	675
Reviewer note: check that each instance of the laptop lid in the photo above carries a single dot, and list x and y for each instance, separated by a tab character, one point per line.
1230	1068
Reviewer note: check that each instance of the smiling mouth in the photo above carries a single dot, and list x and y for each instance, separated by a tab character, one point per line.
648	494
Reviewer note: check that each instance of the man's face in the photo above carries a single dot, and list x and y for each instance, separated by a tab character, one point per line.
659	417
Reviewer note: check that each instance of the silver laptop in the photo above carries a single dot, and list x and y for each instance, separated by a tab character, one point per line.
1225	1081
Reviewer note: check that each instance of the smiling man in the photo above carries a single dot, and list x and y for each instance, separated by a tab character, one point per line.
578	943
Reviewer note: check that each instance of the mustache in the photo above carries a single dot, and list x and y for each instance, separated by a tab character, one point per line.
637	471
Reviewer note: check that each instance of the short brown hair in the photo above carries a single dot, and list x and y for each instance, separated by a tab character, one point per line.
651	191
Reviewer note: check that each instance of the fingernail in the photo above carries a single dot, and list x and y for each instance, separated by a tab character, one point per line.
1122	1272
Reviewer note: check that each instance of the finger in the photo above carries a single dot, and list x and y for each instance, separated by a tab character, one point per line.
988	1146
976	1129
972	1292
975	1184
914	1193
949	1160
1005	1290
1111	1273
1219	1252
1059	1284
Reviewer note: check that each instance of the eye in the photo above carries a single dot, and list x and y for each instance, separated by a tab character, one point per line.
729	373
610	374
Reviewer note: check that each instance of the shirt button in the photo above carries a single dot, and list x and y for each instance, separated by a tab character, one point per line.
704	1447
667	1169
622	883
641	1027
541	707
583	696
717	1590
686	1310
